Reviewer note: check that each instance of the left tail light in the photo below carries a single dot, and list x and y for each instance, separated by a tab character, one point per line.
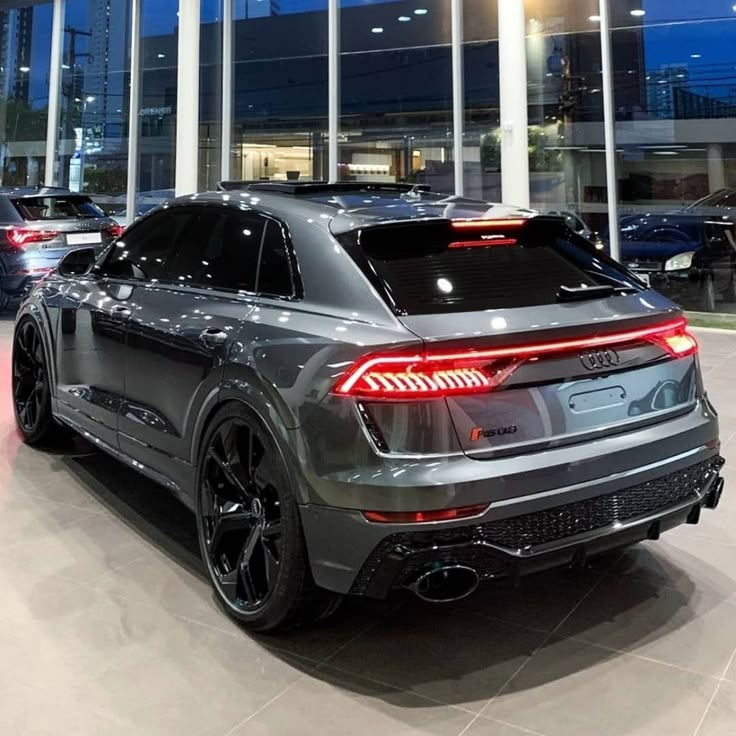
22	236
114	231
434	374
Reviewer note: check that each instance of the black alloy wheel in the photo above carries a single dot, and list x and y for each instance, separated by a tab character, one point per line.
249	527
242	515
31	388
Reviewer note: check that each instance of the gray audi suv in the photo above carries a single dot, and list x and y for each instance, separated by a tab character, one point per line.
361	388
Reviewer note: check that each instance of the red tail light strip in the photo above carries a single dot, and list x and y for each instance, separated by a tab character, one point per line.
416	517
483	243
487	224
435	373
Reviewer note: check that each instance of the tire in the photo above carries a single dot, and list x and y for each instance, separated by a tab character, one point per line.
249	529
32	389
4	298
708	295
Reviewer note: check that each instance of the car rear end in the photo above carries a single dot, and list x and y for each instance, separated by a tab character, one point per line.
545	407
39	229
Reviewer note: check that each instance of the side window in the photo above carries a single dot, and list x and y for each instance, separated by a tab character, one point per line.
219	251
142	253
274	273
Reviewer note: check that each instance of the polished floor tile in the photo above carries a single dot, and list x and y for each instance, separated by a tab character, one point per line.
108	627
570	688
331	703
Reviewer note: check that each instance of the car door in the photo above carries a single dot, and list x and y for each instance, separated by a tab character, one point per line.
185	324
91	333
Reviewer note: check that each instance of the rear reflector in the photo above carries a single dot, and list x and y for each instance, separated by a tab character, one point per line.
417	517
487	224
22	236
434	374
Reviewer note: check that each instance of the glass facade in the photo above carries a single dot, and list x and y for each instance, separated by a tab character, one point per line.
265	109
25	44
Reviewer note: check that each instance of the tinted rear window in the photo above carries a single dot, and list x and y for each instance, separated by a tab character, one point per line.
34	209
431	268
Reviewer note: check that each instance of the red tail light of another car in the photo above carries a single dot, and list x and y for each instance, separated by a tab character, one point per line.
114	231
434	374
22	236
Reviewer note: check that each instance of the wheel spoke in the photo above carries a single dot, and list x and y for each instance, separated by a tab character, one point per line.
271	564
249	587
229	583
272	530
231	474
264	474
237	521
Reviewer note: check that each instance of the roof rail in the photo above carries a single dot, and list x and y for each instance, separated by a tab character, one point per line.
319	187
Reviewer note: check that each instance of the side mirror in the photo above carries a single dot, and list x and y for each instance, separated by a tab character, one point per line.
78	262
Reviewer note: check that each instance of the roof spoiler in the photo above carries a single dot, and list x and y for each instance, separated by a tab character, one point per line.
320	187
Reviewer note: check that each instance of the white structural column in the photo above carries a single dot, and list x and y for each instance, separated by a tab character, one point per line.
458	94
513	102
333	88
57	58
609	131
227	89
187	98
716	168
134	106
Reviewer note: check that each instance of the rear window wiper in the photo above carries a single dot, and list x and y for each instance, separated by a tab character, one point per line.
584	293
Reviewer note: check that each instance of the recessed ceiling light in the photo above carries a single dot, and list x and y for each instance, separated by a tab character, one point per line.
665	153
696	56
24	69
595	19
377	29
421	11
404	19
161	56
638	13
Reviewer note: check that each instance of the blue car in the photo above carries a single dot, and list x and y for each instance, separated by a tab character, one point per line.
690	256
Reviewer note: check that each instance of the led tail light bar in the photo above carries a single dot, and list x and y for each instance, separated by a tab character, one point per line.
434	374
483	243
22	236
114	231
488	224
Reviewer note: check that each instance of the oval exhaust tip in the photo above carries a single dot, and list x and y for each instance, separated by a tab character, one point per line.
446	584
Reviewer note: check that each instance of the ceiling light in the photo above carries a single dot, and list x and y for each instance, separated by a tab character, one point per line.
161	56
595	19
24	69
404	19
638	13
696	56
665	153
421	11
377	29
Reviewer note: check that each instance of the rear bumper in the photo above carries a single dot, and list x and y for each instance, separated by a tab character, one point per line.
350	555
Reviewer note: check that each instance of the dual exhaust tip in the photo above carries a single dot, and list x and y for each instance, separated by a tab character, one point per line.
445	584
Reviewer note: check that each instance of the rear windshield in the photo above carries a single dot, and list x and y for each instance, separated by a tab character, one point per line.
33	209
433	268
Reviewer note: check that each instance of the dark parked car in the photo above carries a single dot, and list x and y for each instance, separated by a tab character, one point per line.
361	388
690	257
38	227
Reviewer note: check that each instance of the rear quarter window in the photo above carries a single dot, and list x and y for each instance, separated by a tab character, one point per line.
430	268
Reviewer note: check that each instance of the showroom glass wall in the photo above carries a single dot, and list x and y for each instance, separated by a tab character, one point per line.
396	98
25	44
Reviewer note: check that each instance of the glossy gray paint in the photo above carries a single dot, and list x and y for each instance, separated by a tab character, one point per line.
133	373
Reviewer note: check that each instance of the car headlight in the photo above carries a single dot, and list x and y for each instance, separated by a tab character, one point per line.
679	262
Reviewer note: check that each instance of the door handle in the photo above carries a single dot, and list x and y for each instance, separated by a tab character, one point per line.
213	338
120	312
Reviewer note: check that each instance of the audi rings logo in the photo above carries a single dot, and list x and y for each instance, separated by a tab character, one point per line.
598	360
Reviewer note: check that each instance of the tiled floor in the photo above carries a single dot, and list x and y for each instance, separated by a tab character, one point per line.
107	626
